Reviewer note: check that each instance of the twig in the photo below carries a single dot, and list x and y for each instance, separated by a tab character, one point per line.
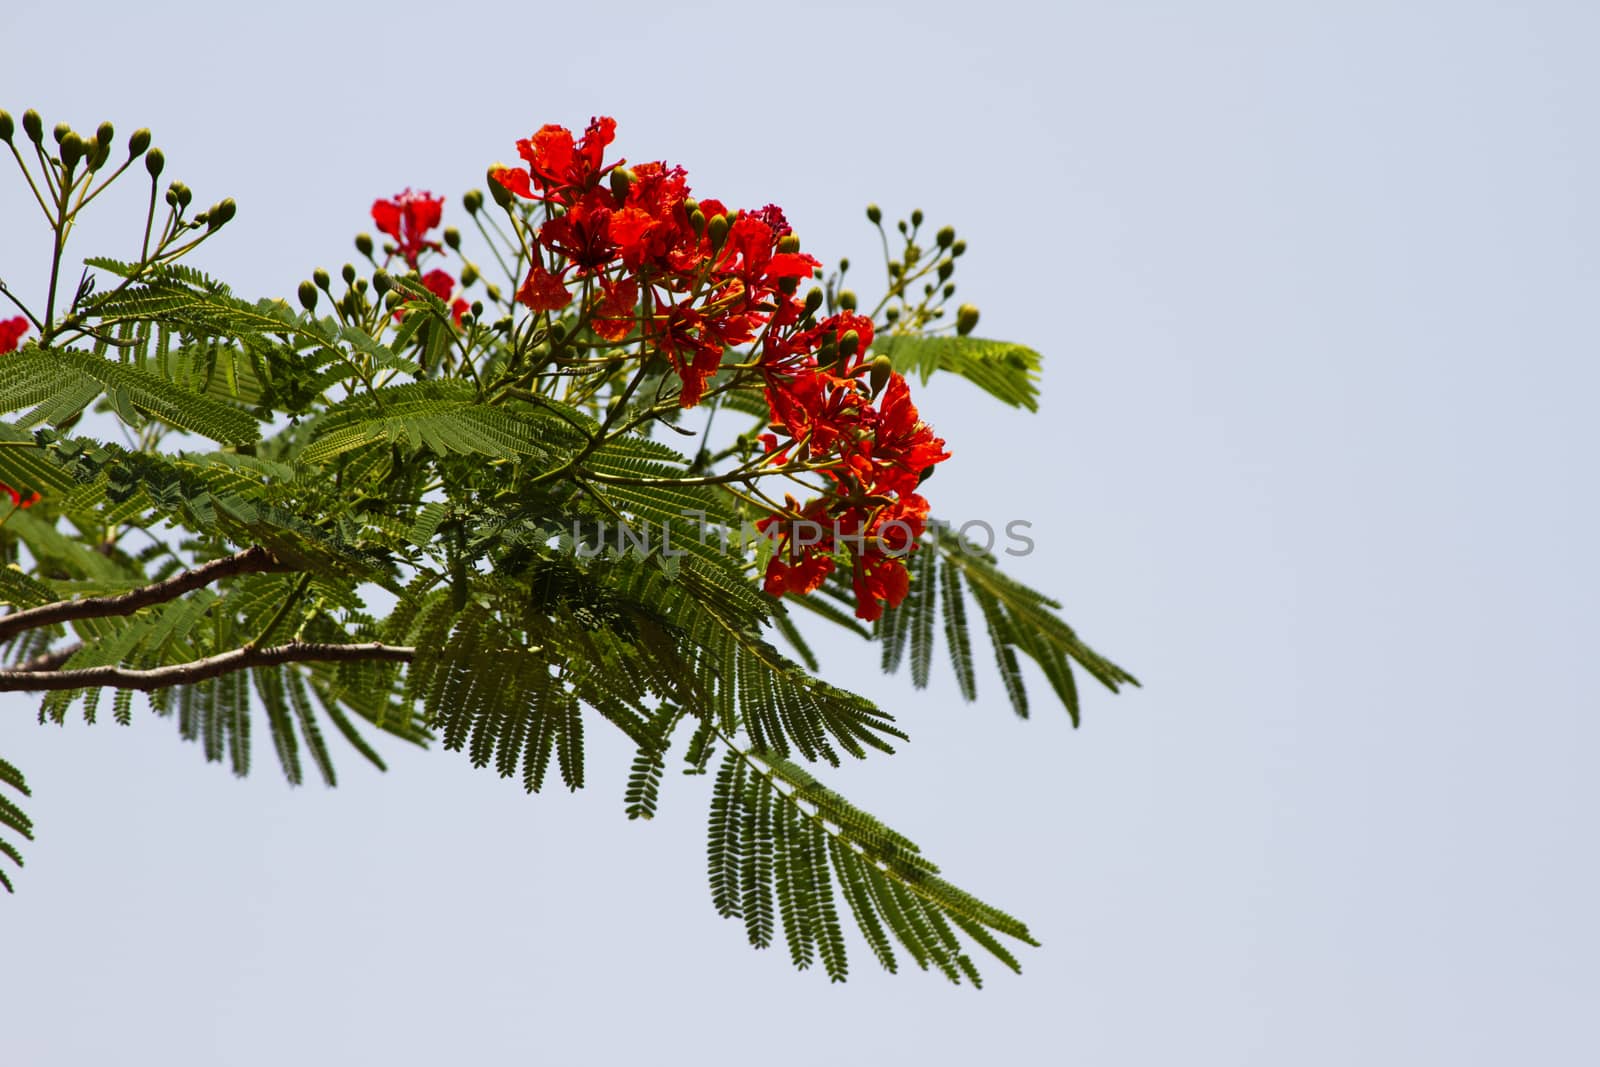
202	669
253	560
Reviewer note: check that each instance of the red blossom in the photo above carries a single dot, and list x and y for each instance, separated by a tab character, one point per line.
614	310
11	331
407	217
442	285
563	169
878	580
543	291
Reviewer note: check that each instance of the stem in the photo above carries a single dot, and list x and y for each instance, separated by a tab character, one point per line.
251	561
202	669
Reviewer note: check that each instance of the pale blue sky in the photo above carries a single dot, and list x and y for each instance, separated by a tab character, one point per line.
1315	284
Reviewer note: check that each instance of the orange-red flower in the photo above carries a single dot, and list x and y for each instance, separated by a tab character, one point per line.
407	218
561	168
543	291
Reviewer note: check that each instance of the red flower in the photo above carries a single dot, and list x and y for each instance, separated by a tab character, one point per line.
805	576
560	166
407	218
11	331
543	291
613	311
903	447
441	285
878	580
580	235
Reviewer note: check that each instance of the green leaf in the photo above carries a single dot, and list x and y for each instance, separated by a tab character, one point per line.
33	377
1007	371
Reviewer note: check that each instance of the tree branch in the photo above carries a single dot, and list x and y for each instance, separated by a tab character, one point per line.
254	560
16	681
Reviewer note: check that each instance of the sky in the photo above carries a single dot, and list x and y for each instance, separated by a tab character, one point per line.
1314	283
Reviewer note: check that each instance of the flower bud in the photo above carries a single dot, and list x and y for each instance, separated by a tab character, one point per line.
221	213
844	265
98	154
319	277
154	161
717	227
364	244
946	268
966	319
697	222
105	133
813	300
477	309
138	142
874	214
788	243
849	343
621	180
946	237
847	299
878	373
492	291
33	125
452	238
61	131
500	193
958	248
8	126
73	149
558	331
348	273
382	281
916	217
472	200
182	192
828	353
393	299
469	274
308	296
949	290
362	286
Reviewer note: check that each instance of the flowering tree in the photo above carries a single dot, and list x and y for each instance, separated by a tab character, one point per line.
494	517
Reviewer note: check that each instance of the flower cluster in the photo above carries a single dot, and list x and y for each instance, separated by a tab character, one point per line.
406	218
693	280
11	331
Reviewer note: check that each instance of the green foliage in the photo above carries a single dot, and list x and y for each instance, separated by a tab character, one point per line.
1009	372
12	819
1016	619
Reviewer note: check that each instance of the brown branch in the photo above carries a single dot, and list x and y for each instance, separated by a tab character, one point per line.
16	681
254	560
